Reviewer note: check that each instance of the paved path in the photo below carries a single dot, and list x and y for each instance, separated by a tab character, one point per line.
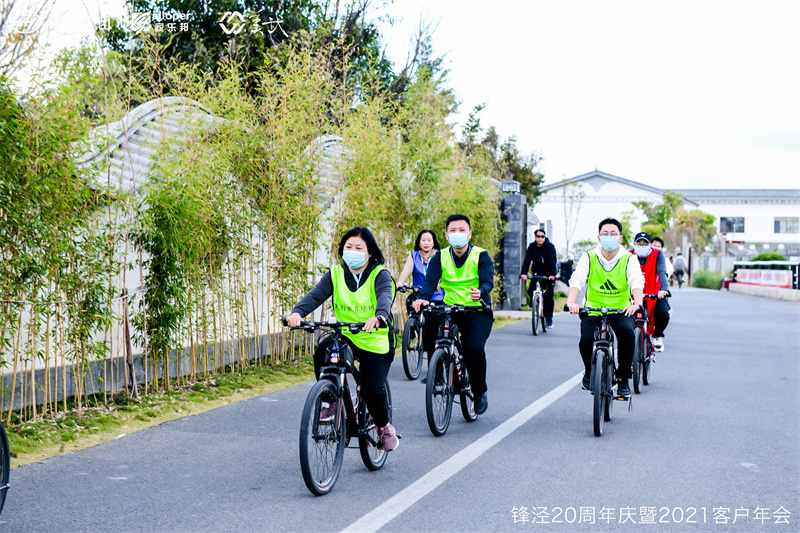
717	429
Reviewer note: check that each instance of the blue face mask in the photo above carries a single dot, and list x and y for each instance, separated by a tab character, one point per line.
354	259
458	240
609	243
641	250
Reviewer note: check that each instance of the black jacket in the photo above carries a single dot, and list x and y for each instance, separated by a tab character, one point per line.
543	258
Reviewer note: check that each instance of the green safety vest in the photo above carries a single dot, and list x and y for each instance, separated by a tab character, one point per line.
359	306
608	289
456	282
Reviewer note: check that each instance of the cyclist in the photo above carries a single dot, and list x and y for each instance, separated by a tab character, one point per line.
362	291
680	269
466	273
541	257
653	265
425	247
658	244
610	278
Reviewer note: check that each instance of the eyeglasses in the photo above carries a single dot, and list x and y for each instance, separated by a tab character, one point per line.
540	236
609	234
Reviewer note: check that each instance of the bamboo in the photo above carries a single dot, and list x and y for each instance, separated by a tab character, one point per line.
16	365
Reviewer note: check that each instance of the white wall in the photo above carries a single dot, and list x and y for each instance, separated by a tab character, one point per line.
603	198
759	221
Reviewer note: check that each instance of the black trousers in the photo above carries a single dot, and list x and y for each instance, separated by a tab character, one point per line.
626	343
661	318
374	368
547	296
474	330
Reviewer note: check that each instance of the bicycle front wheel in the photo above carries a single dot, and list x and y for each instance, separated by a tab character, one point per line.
465	396
322	441
412	348
598	390
638	359
368	443
439	392
535	312
5	465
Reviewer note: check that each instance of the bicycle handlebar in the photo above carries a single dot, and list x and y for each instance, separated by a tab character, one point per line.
603	311
447	308
655	296
354	327
537	277
412	288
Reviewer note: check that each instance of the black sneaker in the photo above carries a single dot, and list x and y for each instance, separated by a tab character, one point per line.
586	383
481	403
623	391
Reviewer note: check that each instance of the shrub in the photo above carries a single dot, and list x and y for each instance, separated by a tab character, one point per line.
769	256
706	279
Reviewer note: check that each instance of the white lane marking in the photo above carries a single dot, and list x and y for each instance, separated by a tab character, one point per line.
388	510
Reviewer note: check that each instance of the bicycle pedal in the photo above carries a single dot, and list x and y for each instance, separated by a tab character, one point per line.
622	398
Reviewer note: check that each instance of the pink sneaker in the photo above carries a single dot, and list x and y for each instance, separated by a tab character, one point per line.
327	412
388	437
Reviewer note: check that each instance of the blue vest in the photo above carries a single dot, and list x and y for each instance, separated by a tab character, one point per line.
420	269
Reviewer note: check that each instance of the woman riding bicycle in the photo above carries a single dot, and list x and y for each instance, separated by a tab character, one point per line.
425	247
362	292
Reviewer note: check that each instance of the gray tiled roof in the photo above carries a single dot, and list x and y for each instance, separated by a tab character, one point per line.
699	195
121	154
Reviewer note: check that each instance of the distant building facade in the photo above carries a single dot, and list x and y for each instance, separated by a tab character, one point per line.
750	220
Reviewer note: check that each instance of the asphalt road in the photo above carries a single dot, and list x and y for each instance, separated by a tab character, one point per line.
713	439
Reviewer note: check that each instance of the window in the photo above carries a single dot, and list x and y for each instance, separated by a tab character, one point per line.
731	224
787	224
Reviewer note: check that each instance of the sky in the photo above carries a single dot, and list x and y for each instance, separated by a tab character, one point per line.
674	94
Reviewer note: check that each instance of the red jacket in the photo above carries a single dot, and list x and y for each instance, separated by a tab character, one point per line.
651	285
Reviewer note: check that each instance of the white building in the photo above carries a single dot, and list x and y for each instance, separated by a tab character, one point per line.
751	220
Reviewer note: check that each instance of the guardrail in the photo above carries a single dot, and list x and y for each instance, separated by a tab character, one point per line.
781	274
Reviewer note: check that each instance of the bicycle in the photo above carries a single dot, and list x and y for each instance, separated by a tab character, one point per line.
447	373
603	376
537	304
324	438
645	352
412	348
5	465
679	277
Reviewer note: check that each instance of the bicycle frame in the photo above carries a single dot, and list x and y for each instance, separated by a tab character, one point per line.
337	372
446	339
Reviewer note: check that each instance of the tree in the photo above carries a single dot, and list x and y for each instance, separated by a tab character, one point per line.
502	160
696	225
19	33
572	196
660	217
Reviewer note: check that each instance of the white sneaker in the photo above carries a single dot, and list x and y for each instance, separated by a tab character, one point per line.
658	343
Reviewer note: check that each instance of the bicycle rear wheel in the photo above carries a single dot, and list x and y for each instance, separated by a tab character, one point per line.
648	358
638	359
368	443
598	390
5	465
535	312
322	442
439	392
412	348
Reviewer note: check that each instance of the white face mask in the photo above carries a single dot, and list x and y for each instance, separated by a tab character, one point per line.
642	250
458	240
354	259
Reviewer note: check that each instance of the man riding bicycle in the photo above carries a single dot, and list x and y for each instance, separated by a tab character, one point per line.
466	274
654	268
541	258
610	278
